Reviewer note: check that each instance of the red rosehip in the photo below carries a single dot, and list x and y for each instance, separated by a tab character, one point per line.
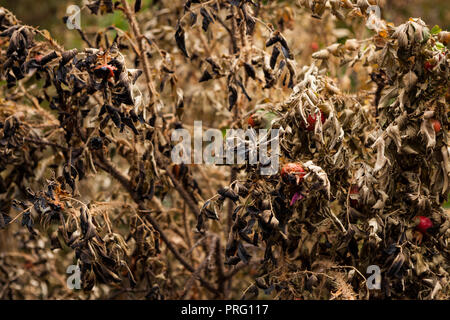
428	65
436	125
354	196
314	46
312	121
293	173
423	224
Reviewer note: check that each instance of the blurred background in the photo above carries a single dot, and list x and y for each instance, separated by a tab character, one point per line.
48	14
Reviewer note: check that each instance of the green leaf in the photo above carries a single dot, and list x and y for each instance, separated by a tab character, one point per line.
342	40
224	132
426	35
436	30
268	117
439	45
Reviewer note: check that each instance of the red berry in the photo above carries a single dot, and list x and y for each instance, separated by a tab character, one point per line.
312	120
423	224
428	65
293	173
314	46
436	125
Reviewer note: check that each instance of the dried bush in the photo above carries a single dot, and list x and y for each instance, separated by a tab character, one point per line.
86	172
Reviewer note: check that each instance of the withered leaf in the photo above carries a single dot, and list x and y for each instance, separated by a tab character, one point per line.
179	38
226	192
243	254
232	261
249	70
274	57
4	220
243	90
209	210
205	76
207	19
232	96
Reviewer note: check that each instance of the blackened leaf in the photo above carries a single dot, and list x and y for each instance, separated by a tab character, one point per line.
274	57
205	76
241	189
228	193
211	214
269	290
94	6
252	210
255	239
231	248
114	114
206	19
215	67
272	41
10	80
243	90
232	261
27	221
108	4
209	211
4	220
396	265
232	97
245	237
286	52
200	223
243	254
68	55
179	38
137	5
129	123
248	228
86	224
193	18
251	23
102	110
249	70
